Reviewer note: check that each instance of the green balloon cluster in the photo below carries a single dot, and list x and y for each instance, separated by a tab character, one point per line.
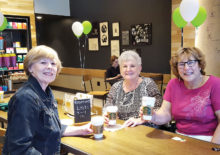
200	17
4	25
178	19
79	28
197	21
87	27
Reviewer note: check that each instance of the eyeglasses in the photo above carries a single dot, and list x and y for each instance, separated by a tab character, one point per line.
190	63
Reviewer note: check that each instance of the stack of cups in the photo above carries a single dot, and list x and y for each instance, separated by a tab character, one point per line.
112	114
97	126
13	60
148	104
1	43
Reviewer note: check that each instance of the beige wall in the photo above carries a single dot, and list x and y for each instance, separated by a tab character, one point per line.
21	8
208	38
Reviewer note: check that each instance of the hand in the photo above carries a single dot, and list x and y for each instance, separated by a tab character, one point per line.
86	129
153	119
132	122
106	119
118	76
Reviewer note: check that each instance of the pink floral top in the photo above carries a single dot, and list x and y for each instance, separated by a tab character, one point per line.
194	109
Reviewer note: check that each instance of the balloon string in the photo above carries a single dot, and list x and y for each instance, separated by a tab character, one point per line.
80	57
84	58
181	37
196	34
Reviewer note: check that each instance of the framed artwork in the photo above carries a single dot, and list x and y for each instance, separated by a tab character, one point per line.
125	38
141	34
95	29
115	29
104	33
93	44
115	48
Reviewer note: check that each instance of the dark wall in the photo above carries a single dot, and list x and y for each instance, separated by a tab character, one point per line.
56	31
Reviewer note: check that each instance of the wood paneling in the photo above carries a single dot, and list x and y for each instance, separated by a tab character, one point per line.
21	8
188	33
79	71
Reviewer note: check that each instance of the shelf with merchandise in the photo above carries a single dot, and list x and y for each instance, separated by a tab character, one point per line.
16	42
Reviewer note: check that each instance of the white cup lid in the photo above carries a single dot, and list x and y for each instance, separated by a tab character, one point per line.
112	109
146	100
97	120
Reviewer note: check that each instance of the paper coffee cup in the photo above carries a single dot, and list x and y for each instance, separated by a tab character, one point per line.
1	96
148	104
112	114
97	126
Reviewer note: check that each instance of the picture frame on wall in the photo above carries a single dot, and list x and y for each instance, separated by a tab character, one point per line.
104	38
115	48
95	29
115	29
93	44
125	38
141	34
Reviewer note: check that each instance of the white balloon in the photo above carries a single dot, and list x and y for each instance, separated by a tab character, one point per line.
77	28
189	9
1	19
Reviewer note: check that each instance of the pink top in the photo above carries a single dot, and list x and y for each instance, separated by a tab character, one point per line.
193	109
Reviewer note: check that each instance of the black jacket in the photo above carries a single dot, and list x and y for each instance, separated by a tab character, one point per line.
33	122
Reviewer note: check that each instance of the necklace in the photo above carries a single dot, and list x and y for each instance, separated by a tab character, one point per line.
129	87
127	94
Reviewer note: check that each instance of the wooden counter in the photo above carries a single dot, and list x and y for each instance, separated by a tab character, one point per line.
137	140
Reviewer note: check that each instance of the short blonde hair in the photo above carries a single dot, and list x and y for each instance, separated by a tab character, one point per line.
129	55
39	52
189	52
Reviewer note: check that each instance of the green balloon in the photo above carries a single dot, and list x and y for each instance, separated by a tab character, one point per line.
87	27
4	25
200	17
178	19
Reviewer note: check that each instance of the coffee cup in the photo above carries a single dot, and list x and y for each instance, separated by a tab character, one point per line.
112	114
97	126
1	96
148	104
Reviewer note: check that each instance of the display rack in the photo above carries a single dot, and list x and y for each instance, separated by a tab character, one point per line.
17	40
16	44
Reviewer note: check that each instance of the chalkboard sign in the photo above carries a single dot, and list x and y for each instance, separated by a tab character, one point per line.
82	110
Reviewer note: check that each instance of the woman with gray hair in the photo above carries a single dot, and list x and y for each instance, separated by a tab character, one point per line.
127	93
33	122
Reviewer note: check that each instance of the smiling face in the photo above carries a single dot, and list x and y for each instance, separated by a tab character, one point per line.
189	72
130	70
44	70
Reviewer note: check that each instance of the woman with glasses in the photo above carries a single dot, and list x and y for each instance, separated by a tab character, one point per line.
192	99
